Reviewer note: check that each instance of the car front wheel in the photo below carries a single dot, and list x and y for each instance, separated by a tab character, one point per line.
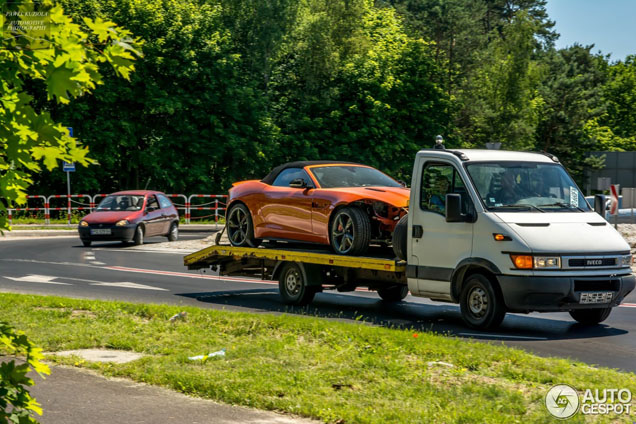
350	232
138	239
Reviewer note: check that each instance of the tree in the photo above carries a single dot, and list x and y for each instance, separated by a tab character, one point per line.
65	64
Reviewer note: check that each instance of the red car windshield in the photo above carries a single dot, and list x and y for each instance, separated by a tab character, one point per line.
352	176
121	203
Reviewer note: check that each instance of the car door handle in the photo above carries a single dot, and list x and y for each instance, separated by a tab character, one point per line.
418	231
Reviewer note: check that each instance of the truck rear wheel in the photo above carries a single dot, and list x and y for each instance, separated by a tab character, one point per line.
481	305
591	316
293	286
393	294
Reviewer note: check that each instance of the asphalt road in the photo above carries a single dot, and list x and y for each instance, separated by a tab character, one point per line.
61	266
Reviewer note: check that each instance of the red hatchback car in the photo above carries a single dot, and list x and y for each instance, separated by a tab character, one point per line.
130	216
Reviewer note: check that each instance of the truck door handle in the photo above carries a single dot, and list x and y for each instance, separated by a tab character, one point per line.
418	231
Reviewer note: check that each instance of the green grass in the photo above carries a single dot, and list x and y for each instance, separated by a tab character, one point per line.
310	366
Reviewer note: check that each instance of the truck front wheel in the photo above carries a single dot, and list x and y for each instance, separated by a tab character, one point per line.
293	286
591	316
481	304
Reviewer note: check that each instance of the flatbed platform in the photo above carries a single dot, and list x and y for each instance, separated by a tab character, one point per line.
224	254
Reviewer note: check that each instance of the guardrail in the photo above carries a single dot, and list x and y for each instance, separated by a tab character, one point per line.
218	203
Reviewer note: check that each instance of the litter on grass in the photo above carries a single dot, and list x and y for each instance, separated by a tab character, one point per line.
179	316
209	355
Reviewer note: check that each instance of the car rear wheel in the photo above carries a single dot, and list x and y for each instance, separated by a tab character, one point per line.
350	231
240	229
591	316
138	238
87	243
173	235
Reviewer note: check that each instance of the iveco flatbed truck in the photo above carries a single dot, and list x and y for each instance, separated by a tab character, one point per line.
512	233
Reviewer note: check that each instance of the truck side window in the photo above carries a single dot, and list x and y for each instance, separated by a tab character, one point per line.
438	180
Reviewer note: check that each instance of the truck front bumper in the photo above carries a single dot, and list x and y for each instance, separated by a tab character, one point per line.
554	294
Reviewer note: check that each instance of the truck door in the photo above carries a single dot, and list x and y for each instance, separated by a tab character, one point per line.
436	246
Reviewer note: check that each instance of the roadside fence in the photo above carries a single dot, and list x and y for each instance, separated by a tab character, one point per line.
85	202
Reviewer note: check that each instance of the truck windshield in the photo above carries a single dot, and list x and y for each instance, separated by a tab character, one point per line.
526	186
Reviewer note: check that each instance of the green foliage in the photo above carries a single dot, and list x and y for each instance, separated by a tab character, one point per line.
16	404
230	88
64	66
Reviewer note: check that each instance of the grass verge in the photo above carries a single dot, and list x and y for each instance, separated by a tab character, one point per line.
332	371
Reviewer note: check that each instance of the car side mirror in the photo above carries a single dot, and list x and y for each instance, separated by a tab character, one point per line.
454	209
599	204
298	183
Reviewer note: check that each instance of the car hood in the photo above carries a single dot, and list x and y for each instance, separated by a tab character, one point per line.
396	196
565	232
109	217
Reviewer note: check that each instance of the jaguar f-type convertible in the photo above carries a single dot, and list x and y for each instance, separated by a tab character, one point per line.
345	205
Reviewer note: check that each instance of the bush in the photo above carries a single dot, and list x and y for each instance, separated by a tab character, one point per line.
16	404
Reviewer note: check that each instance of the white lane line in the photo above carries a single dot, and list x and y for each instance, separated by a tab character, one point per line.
628	305
504	336
34	278
133	250
128	285
98	263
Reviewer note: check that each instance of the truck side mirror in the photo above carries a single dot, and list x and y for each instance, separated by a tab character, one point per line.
298	183
599	204
454	208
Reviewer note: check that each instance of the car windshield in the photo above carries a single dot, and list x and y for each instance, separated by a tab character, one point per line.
121	203
352	176
526	186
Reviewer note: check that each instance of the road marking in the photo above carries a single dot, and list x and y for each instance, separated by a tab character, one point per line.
34	278
98	263
628	305
188	275
128	285
502	336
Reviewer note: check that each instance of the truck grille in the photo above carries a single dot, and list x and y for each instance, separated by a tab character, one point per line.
591	262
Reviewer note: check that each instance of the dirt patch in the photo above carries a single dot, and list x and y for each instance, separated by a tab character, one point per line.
78	313
101	355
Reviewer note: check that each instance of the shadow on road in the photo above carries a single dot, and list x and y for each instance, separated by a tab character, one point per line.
439	318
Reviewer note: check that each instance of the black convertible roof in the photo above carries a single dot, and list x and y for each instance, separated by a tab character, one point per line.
269	179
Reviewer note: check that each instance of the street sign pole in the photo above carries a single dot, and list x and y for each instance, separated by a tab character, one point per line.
68	197
68	168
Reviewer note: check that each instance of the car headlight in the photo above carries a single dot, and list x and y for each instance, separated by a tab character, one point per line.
380	208
83	224
536	262
626	260
122	223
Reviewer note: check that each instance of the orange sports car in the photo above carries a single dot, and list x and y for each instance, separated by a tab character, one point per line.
345	205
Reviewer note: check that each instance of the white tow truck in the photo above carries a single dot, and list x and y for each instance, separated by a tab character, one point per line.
495	231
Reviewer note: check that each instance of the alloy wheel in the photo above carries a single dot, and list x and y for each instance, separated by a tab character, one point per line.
237	224
343	233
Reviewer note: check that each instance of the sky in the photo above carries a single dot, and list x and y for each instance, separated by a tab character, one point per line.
608	24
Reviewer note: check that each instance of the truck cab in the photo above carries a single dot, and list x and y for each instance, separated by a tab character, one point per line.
501	231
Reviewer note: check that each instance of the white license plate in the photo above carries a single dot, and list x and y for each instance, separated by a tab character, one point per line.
596	297
100	231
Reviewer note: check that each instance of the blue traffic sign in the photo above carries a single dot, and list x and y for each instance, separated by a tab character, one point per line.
68	166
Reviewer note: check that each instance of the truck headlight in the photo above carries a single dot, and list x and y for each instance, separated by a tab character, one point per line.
122	223
547	262
83	224
626	260
536	262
